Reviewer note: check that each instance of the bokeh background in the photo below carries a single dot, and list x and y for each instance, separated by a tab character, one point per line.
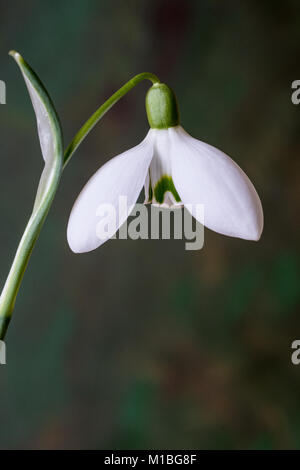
141	344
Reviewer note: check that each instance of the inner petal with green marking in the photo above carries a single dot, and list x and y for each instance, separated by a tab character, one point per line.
159	185
164	185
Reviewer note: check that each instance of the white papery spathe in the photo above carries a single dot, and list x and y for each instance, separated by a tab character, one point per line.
45	131
201	174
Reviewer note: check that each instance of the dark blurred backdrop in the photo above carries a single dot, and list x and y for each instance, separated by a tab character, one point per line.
142	344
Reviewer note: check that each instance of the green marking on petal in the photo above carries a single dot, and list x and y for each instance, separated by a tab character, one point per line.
162	186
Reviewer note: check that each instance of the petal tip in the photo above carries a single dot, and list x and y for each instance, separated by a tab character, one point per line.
75	247
77	250
255	233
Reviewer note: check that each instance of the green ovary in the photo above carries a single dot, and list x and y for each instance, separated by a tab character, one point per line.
162	186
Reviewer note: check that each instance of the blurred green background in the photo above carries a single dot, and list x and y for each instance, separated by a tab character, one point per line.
142	344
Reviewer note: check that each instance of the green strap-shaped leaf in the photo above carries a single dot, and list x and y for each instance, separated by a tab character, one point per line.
50	135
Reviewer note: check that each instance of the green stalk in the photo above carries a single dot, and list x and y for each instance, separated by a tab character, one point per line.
45	199
53	156
92	121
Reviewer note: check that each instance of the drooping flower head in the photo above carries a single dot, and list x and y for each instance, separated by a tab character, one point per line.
174	169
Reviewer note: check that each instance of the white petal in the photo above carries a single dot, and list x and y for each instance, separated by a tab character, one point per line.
204	175
123	176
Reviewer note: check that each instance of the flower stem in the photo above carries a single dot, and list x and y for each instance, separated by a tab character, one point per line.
35	223
16	273
92	121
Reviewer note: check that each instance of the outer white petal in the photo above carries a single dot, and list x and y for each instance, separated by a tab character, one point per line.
203	174
124	176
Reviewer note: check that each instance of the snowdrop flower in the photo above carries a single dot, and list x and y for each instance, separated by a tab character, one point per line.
174	169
